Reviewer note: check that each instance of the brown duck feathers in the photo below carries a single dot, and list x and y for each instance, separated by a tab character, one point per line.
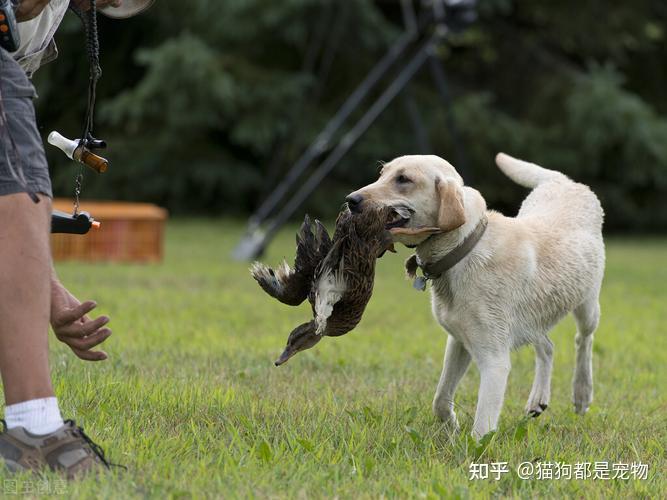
336	276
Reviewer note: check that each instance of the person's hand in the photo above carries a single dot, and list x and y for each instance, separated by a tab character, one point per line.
72	326
29	9
85	4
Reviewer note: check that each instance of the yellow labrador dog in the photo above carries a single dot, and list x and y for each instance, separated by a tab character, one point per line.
498	282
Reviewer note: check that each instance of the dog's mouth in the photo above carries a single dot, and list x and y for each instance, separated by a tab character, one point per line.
400	224
398	217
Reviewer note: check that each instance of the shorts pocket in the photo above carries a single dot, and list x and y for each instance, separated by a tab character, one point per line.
13	80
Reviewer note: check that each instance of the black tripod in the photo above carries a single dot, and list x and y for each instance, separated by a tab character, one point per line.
424	31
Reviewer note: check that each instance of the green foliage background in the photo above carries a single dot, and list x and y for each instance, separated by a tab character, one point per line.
196	99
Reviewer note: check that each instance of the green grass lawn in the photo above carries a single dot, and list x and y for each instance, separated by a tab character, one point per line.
191	402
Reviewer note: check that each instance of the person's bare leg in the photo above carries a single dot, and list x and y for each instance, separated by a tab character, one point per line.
35	437
25	295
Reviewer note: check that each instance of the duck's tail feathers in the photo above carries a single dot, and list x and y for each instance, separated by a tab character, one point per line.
281	283
290	285
524	173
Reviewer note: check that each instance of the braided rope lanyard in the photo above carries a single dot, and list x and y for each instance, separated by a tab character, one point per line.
89	20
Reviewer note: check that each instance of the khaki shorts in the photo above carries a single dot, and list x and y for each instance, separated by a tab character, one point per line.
17	95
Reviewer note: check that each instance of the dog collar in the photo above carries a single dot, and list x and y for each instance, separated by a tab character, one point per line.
433	270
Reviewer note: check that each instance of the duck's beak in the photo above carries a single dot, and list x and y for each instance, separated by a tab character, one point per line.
284	357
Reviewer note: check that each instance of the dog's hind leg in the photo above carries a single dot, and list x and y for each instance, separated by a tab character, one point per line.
457	360
541	391
587	317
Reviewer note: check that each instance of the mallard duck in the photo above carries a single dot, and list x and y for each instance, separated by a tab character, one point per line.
336	276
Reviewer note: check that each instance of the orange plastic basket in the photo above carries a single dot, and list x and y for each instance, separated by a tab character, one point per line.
130	232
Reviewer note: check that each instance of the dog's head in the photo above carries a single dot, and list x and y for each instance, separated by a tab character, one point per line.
425	194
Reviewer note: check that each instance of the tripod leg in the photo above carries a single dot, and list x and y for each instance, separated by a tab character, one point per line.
322	141
253	243
350	139
421	134
319	49
440	81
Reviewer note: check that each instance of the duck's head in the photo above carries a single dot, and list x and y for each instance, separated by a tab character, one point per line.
302	337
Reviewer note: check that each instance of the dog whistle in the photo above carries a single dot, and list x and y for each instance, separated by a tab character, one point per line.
419	283
78	152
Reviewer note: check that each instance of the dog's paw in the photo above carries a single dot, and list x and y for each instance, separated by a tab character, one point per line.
582	398
448	418
581	404
536	411
538	401
451	426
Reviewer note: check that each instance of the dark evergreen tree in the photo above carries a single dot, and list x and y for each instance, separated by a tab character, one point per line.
196	106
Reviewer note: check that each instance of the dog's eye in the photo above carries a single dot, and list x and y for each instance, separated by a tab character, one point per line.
402	179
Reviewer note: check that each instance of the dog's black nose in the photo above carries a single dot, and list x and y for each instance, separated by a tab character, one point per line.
354	202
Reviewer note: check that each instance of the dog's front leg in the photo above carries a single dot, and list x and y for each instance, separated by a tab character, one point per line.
457	360
541	391
493	369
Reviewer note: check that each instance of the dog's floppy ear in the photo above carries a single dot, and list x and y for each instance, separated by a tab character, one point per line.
451	214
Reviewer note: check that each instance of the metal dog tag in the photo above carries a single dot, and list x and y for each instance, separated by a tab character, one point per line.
419	283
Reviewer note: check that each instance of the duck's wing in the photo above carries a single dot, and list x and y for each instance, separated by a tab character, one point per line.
291	285
329	285
323	240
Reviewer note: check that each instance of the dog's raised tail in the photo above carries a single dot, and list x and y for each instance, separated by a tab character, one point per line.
524	173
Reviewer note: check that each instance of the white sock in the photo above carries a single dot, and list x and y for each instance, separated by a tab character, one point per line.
37	416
